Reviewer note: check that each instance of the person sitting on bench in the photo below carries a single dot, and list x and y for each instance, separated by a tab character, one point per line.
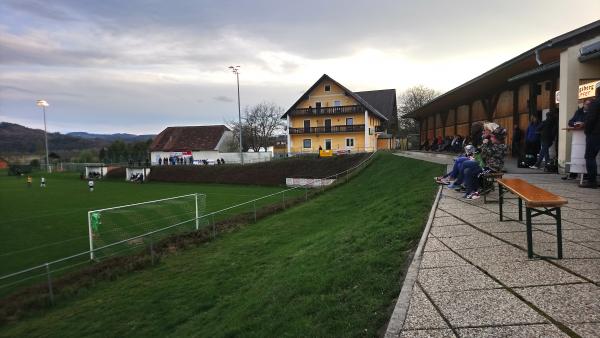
490	159
453	174
493	151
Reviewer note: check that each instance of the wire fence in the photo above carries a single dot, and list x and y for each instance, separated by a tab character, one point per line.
39	281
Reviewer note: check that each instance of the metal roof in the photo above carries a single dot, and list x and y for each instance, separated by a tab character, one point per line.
483	84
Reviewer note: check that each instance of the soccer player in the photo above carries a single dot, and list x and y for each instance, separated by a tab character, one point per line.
91	185
43	182
29	180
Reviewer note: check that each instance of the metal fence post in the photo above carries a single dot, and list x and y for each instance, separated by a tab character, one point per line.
305	193
50	291
283	199
197	220
254	206
214	226
90	234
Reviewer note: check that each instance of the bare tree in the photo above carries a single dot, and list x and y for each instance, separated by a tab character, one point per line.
410	100
259	125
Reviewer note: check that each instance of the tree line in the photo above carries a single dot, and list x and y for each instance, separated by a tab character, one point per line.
121	152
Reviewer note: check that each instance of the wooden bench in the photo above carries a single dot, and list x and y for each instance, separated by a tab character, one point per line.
537	202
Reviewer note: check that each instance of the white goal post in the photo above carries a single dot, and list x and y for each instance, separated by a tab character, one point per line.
131	224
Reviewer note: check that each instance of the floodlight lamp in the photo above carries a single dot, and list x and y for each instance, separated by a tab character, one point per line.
42	103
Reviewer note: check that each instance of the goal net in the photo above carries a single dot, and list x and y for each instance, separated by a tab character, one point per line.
122	228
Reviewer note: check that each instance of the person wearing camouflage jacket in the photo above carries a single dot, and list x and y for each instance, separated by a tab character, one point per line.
493	154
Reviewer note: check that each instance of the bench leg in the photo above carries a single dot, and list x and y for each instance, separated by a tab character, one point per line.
529	233
559	234
520	209
500	200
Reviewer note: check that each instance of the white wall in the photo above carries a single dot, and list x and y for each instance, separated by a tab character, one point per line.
198	155
571	71
214	155
225	141
248	157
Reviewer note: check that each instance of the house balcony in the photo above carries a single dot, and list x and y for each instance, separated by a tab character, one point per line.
379	129
328	110
348	128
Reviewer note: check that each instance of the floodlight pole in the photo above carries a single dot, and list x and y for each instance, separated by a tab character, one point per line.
44	104
236	71
46	140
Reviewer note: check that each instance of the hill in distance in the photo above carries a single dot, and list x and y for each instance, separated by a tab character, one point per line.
111	137
18	139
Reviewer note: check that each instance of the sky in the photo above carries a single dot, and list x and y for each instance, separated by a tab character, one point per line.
139	66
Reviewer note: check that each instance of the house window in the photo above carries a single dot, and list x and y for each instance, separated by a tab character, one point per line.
337	103
327	88
307	143
349	121
349	143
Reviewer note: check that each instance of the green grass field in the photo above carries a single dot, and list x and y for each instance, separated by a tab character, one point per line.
40	225
328	267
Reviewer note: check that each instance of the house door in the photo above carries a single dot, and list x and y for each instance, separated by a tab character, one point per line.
328	125
307	126
318	105
328	144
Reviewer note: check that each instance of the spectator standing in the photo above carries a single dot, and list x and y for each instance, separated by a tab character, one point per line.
547	131
592	140
532	138
579	116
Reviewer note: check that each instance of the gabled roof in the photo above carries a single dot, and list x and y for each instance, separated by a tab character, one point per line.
362	101
383	100
190	138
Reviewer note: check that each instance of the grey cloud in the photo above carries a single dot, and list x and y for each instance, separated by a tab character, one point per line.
223	98
99	104
44	9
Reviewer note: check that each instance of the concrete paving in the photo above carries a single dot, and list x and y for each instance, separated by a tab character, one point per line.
475	280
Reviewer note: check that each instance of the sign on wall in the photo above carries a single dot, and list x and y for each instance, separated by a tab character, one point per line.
587	90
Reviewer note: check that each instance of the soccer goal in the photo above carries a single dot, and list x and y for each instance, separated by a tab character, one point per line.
123	227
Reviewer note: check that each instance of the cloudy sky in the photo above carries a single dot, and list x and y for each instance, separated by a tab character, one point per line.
139	66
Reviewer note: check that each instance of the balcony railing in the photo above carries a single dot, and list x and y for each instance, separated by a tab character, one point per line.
329	110
348	128
379	129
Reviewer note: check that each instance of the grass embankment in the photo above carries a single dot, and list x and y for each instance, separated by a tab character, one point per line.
329	267
39	225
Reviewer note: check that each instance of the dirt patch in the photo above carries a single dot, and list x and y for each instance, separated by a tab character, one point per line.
116	173
267	173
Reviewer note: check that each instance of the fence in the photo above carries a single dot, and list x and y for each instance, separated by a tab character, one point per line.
44	274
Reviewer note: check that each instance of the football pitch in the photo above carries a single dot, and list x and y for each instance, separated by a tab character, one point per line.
38	225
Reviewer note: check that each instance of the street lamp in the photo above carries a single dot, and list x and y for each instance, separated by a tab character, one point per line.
236	71
44	104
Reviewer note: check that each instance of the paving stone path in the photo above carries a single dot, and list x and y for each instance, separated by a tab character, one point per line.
475	279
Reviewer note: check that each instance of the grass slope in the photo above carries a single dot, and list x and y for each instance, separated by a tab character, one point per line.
329	267
38	225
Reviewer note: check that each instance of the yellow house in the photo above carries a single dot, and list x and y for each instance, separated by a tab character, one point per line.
332	117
